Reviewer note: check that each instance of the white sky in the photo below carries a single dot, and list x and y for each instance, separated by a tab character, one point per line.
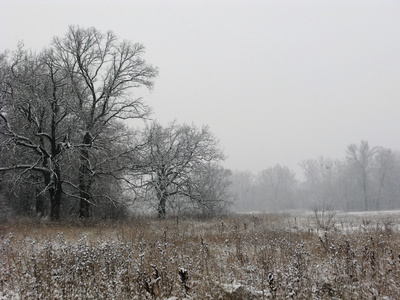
277	81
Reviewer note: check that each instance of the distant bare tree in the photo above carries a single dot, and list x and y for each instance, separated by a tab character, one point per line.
209	188
384	164
321	180
208	192
361	157
323	190
243	189
175	157
277	186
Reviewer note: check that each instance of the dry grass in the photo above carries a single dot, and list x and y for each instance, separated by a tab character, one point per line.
237	257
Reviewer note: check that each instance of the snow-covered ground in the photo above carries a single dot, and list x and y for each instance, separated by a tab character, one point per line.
256	256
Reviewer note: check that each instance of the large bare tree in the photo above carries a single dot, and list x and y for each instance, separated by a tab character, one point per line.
72	96
34	117
104	74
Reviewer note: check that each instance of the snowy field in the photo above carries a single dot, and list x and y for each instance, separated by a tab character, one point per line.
256	256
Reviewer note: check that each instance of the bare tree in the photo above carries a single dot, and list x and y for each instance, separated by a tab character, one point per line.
243	189
277	186
172	155
321	180
384	164
112	159
33	119
103	73
208	188
70	97
322	187
361	157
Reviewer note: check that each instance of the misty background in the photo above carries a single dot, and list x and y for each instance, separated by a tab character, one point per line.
286	86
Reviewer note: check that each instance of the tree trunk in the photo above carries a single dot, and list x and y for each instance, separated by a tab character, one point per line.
53	184
365	191
55	203
84	178
84	206
39	203
161	205
55	192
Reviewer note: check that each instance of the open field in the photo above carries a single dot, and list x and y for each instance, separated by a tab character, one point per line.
237	257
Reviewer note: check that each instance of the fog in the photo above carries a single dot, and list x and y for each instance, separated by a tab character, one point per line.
365	179
278	82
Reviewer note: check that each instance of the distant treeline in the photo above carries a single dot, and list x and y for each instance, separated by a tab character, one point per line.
366	179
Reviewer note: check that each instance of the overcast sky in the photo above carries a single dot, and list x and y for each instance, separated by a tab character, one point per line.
277	81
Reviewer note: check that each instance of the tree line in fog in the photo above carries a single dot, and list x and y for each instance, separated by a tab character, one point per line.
367	178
